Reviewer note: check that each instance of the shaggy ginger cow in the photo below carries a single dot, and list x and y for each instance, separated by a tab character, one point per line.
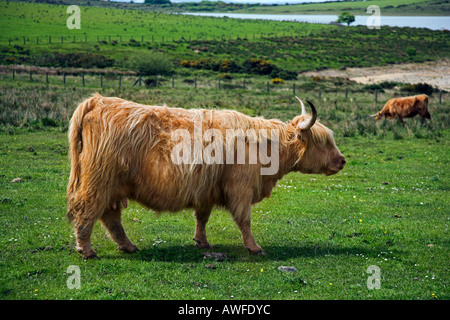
406	107
123	150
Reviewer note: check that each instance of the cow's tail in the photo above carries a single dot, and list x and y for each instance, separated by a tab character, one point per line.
75	148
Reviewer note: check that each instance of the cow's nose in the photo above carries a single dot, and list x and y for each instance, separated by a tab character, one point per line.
341	162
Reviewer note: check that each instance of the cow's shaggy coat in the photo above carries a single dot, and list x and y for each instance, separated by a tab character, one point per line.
122	150
406	107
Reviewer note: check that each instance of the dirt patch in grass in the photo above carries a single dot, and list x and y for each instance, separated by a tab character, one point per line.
435	73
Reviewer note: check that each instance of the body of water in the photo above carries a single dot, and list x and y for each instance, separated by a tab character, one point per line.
430	22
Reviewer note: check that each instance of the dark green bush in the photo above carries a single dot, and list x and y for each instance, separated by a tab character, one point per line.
154	64
72	60
373	87
258	66
418	88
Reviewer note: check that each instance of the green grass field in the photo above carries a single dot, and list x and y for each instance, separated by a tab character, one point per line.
388	207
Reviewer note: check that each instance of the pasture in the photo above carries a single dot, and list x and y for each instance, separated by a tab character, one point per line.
387	208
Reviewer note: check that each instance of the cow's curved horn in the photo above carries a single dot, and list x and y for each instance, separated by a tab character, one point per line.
308	124
303	106
373	115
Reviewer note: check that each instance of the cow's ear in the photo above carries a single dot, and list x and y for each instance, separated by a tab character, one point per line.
300	135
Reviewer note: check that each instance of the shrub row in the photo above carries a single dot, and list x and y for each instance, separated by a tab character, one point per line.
250	66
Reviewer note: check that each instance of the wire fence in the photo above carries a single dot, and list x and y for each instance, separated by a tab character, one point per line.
151	38
130	79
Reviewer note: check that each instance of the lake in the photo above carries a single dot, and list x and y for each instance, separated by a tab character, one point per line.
430	22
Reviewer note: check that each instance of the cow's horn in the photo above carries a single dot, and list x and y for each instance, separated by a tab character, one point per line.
303	106
373	115
308	124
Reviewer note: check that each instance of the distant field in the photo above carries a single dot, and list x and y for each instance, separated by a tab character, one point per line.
388	7
30	33
31	20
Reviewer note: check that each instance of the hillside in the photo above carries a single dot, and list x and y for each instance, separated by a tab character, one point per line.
388	8
109	37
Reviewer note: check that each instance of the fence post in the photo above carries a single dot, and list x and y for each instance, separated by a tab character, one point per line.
440	97
14	74
320	93
101	81
376	95
195	82
64	79
346	93
23	40
46	77
268	87
293	89
173	82
120	81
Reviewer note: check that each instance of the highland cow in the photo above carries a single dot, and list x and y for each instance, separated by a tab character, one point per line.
150	154
406	107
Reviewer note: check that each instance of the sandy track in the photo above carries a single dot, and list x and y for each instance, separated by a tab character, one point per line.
436	73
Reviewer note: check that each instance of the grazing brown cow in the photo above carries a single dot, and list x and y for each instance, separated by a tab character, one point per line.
123	150
406	107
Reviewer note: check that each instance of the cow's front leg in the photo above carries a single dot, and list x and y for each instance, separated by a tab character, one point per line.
202	217
242	217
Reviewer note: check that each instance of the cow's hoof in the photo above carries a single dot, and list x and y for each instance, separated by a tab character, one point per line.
131	248
202	245
258	252
87	254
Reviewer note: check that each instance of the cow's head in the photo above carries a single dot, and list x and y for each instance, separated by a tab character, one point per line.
314	144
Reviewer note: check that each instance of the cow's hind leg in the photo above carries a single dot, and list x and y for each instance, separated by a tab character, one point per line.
202	217
241	216
84	216
111	220
83	231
